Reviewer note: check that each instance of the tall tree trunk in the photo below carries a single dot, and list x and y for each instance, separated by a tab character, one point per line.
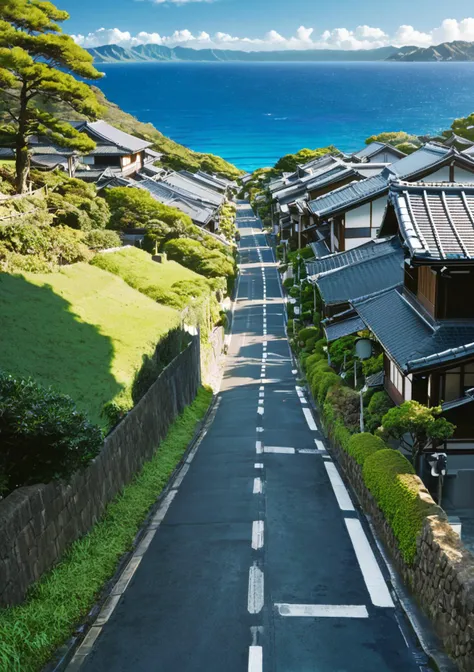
22	162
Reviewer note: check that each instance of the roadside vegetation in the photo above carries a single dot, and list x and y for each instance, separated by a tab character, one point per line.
329	370
31	632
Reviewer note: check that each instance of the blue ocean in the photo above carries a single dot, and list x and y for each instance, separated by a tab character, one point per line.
253	113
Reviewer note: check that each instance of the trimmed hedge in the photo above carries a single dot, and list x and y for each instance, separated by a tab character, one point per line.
392	481
362	446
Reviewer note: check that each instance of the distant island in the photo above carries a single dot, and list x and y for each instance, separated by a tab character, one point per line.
447	51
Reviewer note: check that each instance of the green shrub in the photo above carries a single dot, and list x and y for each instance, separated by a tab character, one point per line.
289	282
342	349
335	427
362	446
102	239
316	318
372	365
310	343
294	292
306	316
44	437
323	383
392	481
307	332
379	405
346	405
135	208
315	370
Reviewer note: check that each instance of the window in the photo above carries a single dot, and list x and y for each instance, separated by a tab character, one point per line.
396	377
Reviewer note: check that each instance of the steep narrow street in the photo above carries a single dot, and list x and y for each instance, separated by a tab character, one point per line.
262	561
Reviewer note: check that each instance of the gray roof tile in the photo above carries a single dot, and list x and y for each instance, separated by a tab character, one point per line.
342	328
365	277
409	336
436	220
373	248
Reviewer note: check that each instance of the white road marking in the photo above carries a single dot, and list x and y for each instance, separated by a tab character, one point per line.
261	394
261	388
294	372
378	590
310	420
307	451
257	534
323	610
279	449
181	475
258	465
265	343
327	457
257	486
259	429
320	445
255	659
260	410
303	401
255	592
342	496
258	447
264	355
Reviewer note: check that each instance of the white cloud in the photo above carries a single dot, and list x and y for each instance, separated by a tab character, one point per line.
362	37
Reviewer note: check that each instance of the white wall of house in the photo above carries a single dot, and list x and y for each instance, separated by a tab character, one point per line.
359	217
378	212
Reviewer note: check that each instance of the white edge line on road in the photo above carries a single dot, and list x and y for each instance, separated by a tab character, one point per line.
340	490
320	445
257	486
323	610
257	534
255	591
258	447
373	577
255	659
258	465
310	420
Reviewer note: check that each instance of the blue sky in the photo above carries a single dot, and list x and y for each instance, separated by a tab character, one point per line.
254	24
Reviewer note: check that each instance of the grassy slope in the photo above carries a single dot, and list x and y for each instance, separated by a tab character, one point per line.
81	330
140	272
30	633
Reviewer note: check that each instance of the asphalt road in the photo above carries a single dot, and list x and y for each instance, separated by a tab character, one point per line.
261	561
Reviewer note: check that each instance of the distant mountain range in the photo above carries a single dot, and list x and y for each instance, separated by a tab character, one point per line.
448	51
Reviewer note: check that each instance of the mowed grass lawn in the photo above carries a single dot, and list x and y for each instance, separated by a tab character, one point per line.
155	280
81	330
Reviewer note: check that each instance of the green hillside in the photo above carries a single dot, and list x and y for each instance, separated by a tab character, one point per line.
82	330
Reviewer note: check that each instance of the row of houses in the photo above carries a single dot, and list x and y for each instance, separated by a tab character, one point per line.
412	287
340	201
121	159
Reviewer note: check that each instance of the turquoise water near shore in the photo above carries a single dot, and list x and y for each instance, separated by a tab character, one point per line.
253	113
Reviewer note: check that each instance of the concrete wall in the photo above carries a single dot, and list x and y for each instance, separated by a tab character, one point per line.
441	577
38	523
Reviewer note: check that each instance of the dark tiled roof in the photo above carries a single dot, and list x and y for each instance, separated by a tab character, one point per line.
436	220
350	196
376	379
375	148
369	250
320	249
189	187
104	131
409	336
342	328
166	195
347	283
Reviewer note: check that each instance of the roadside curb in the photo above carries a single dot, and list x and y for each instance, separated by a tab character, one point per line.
65	653
420	624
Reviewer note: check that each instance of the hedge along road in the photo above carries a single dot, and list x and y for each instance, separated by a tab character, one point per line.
260	562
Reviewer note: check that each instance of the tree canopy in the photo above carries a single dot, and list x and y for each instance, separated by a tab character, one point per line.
414	425
37	66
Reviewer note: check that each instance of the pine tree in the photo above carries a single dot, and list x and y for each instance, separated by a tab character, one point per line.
37	64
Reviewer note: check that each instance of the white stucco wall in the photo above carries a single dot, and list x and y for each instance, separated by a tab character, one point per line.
441	175
461	175
378	211
358	217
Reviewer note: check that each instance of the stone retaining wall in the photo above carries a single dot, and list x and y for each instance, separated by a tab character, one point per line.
442	575
38	523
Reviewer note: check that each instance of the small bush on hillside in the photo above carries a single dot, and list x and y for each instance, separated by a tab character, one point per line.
44	437
346	405
135	208
102	239
372	365
342	349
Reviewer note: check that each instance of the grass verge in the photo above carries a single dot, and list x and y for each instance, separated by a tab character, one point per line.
31	632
